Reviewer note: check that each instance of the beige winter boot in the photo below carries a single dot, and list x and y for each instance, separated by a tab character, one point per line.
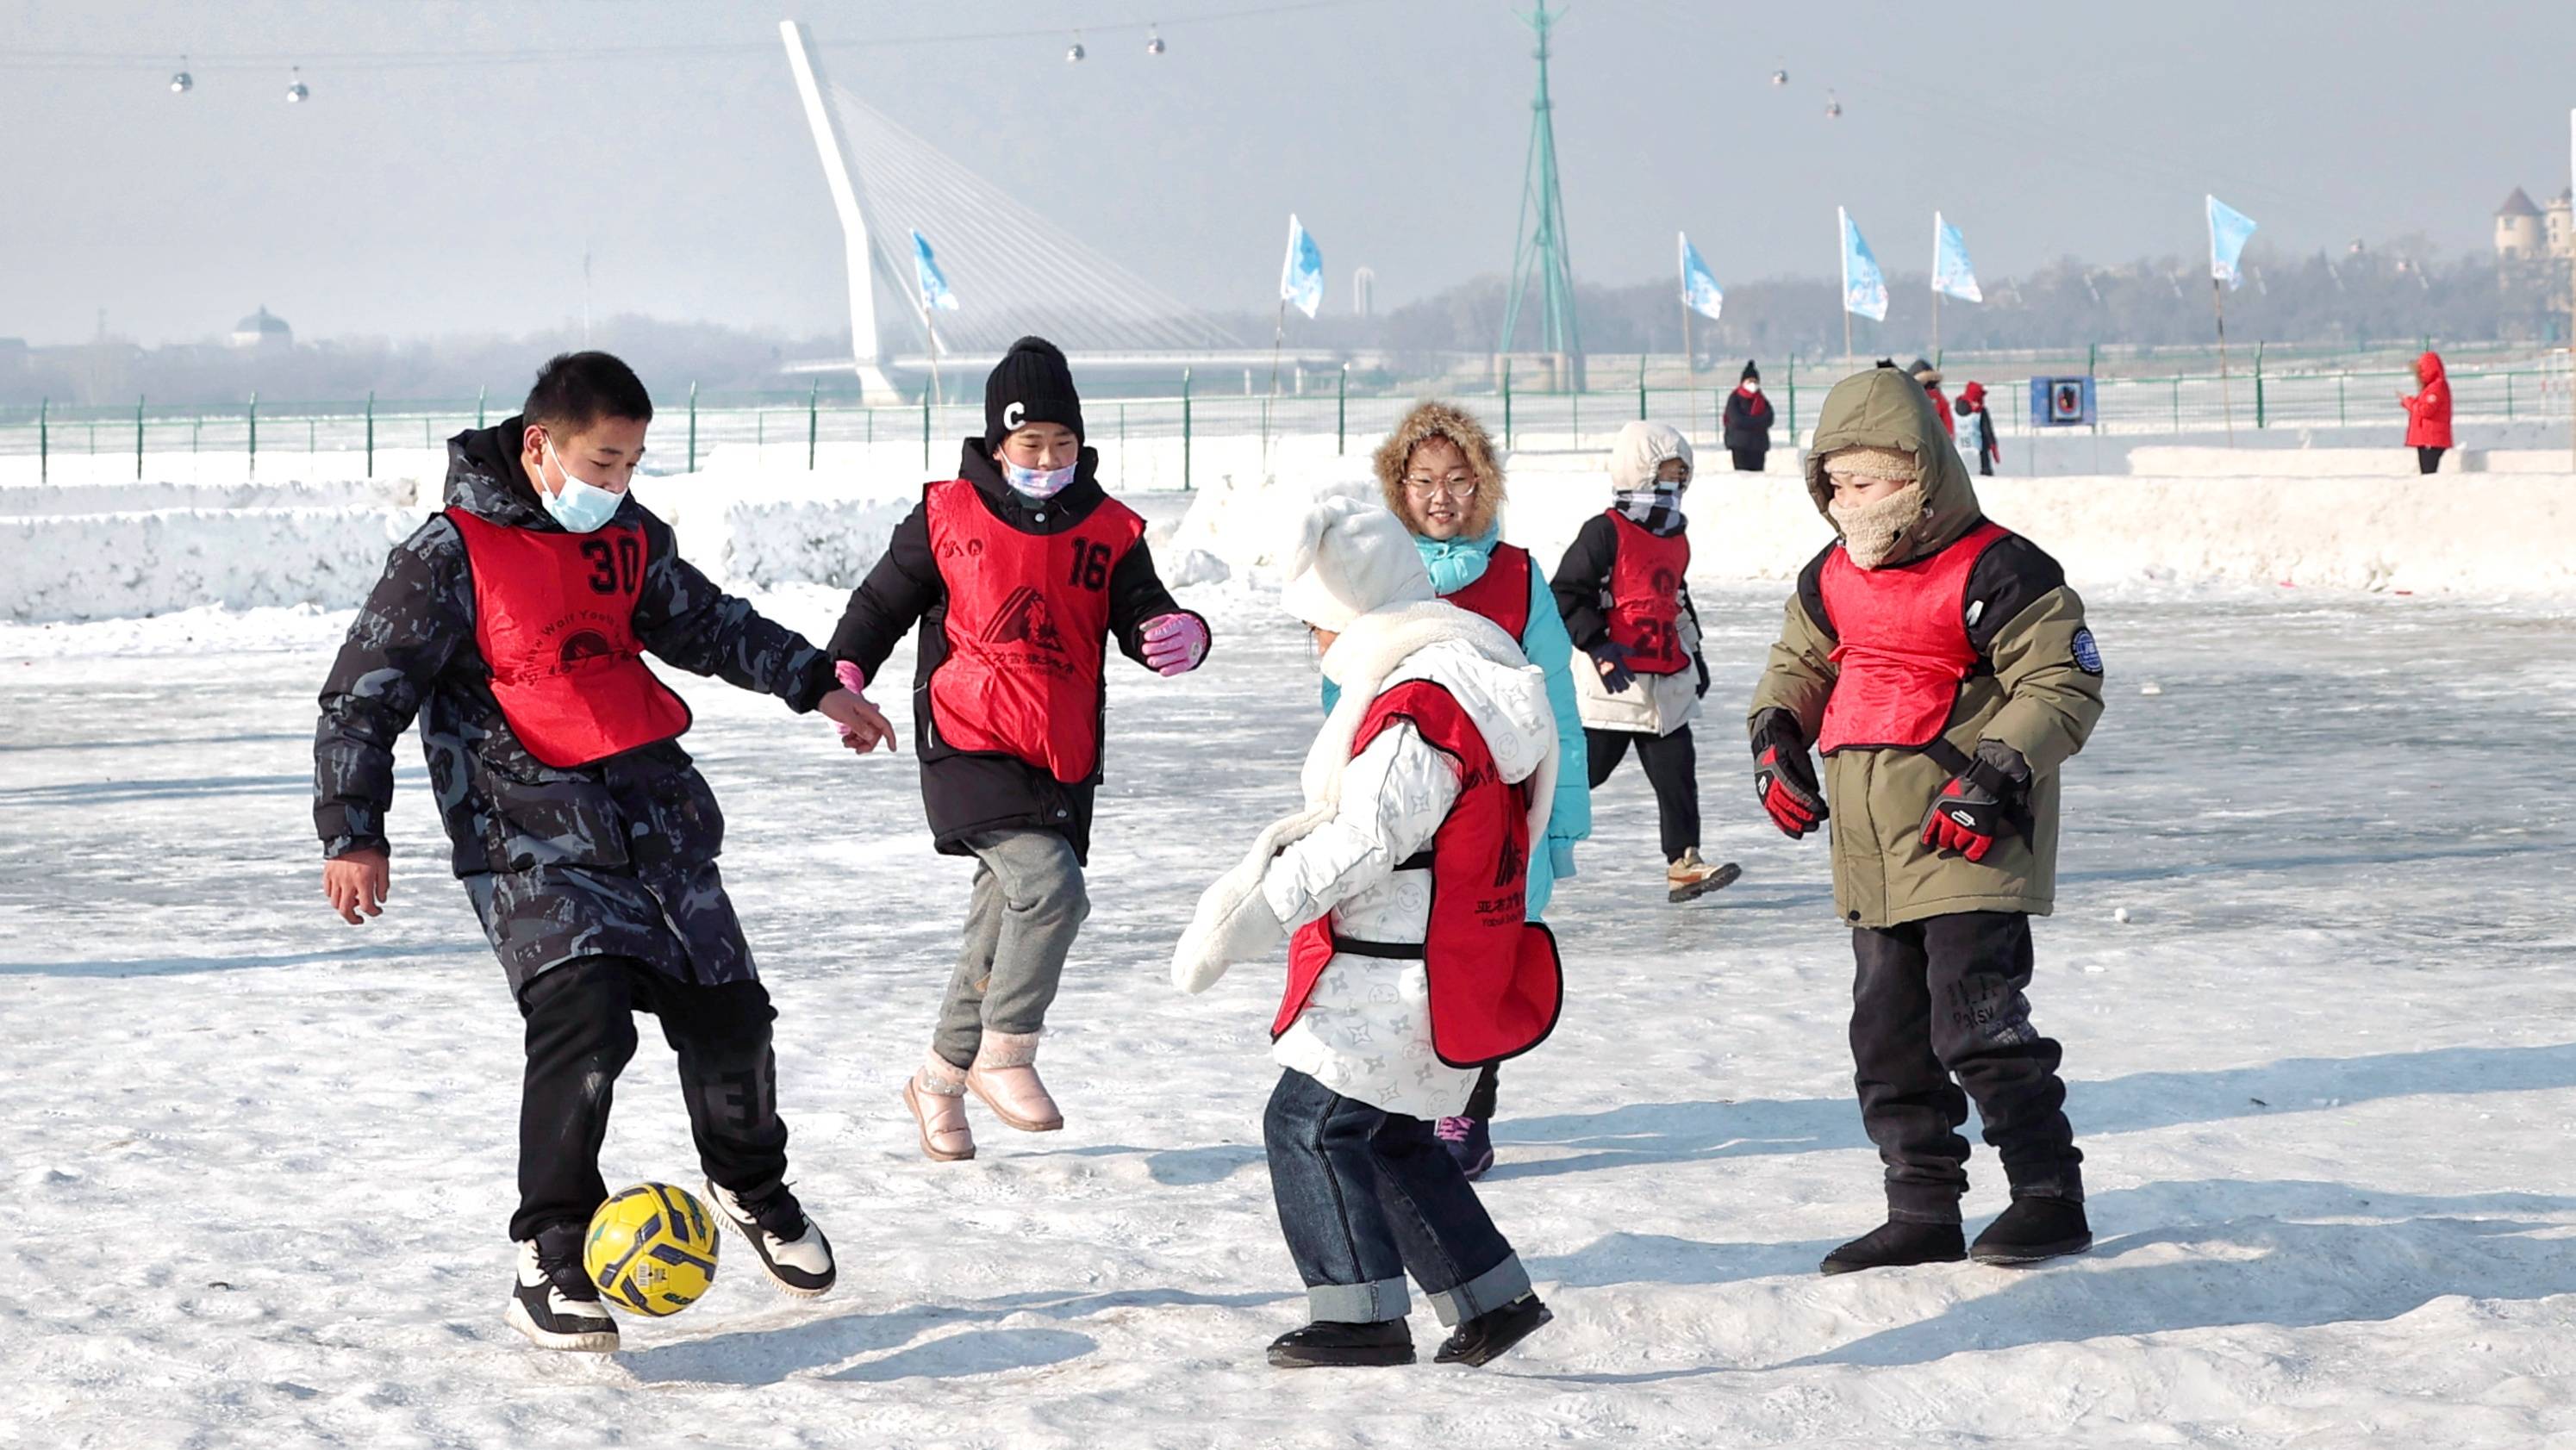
1692	877
937	1096
1005	1077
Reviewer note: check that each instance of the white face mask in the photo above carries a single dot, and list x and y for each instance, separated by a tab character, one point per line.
1753	385
1039	483
579	506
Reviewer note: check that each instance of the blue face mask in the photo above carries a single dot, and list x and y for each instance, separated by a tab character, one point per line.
580	507
1039	483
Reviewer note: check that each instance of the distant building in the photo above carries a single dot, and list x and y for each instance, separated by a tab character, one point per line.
2524	232
1364	292
265	331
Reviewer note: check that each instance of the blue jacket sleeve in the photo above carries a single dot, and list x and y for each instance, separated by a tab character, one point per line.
1548	646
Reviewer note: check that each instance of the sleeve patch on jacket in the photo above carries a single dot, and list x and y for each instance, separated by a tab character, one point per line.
2088	655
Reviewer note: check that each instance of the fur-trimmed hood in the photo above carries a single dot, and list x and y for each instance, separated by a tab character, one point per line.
1432	418
1883	408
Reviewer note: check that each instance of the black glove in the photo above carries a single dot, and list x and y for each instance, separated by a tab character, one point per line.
1980	804
1612	659
1783	779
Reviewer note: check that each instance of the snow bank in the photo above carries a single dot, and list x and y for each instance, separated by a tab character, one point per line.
116	565
2478	535
69	464
33	500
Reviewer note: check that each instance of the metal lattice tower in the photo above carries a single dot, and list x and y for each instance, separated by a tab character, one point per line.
1541	249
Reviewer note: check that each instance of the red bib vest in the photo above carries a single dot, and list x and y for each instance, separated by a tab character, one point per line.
1502	592
554	615
1646	597
1903	648
1028	615
1496	984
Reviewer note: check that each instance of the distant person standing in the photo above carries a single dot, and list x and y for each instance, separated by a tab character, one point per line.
1977	429
1929	376
1748	421
2428	413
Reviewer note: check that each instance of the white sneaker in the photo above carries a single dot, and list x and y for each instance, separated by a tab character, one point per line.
550	1316
799	1264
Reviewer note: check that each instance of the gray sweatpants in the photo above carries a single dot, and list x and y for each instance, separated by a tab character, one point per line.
1028	903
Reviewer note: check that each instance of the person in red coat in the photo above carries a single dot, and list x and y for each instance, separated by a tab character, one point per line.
2428	413
1924	372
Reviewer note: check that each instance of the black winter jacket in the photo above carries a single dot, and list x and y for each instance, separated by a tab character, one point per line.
1748	422
613	858
967	792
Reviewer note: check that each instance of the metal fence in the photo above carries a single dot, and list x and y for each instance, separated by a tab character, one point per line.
1185	434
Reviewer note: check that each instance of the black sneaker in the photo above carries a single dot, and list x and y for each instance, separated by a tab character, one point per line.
553	1302
1899	1244
1329	1343
1490	1333
1470	1142
2032	1230
791	1247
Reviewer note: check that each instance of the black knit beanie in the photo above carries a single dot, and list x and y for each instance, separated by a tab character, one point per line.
1031	384
1751	374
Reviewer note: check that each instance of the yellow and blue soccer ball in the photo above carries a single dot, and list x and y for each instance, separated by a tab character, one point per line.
651	1249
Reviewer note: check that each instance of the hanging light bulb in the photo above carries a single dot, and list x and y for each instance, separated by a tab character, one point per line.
296	91
1073	56
1153	39
180	81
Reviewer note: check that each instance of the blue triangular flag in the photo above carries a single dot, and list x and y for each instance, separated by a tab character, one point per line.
1301	276
934	285
1951	274
1699	288
1864	286
2228	230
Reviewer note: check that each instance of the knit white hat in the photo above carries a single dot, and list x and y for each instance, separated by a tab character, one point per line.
1640	449
1351	559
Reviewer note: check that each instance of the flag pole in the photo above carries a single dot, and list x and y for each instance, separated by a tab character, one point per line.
2218	304
930	324
1690	360
1278	334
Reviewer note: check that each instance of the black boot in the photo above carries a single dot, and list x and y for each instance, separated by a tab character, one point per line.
1329	1342
1492	1332
1899	1243
2034	1229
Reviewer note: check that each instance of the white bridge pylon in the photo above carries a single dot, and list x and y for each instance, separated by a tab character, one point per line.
1014	270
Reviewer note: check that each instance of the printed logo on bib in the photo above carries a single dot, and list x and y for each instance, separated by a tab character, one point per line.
1025	619
585	644
1515	861
2088	655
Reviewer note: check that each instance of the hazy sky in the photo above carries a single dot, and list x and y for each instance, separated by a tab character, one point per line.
457	155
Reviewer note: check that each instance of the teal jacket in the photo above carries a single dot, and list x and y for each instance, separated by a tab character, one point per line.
1456	563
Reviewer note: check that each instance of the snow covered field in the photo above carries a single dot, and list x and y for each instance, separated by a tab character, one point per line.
260	1161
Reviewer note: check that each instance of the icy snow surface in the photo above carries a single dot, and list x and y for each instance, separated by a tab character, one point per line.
260	1162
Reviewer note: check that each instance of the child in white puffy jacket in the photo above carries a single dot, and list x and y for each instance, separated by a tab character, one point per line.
1412	963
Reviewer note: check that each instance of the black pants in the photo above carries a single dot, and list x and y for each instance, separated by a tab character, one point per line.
1985	465
1672	768
1938	999
2427	460
1489	1083
581	1032
1748	460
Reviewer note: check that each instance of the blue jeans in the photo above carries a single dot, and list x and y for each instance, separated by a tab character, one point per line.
1366	1196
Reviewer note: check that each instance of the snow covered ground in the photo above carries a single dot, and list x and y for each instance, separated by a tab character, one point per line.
261	1162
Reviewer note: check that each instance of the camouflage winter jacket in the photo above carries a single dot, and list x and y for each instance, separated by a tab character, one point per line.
612	858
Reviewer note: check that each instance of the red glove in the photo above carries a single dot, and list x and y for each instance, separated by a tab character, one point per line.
1783	780
1979	804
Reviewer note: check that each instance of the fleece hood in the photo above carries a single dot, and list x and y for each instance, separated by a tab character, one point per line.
1883	408
1434	419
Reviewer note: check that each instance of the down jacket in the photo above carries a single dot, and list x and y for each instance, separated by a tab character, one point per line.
613	858
2037	686
1366	1031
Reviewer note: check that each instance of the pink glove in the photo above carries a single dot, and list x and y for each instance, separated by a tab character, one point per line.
854	680
1175	643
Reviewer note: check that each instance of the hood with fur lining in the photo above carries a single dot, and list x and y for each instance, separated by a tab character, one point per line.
1432	418
1883	408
